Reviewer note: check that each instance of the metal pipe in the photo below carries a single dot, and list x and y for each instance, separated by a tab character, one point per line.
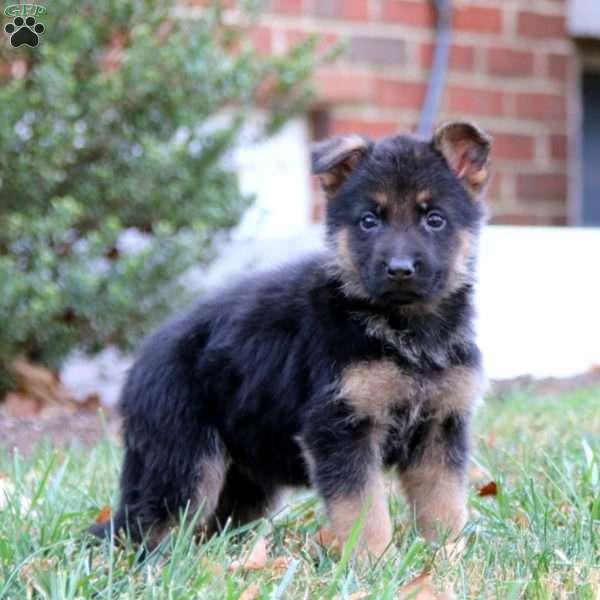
439	66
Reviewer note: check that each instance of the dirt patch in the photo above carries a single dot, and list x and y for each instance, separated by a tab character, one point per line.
60	429
548	386
64	427
41	408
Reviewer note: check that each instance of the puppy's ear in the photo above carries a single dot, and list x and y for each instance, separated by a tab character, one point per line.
466	149
334	160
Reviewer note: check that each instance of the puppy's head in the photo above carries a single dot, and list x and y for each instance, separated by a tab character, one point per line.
403	214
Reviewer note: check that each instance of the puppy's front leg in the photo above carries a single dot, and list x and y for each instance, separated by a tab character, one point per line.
435	484
344	464
344	510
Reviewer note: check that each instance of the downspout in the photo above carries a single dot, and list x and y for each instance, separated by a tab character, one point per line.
435	85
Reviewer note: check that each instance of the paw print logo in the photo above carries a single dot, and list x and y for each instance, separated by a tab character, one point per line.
24	31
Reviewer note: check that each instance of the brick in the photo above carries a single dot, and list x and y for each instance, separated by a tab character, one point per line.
494	187
465	101
513	146
355	10
509	62
351	10
378	51
558	66
373	129
462	58
544	186
559	221
343	87
538	25
325	40
526	219
559	147
513	219
418	14
286	7
477	18
403	94
541	106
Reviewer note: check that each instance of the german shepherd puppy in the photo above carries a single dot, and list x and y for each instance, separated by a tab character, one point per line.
324	371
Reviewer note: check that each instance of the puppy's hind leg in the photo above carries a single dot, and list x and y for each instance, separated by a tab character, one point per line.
162	478
243	500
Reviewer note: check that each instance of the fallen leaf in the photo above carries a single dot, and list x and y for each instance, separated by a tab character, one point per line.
26	572
255	561
211	566
104	515
594	582
39	383
91	402
326	538
454	550
21	406
489	489
47	564
280	564
521	519
421	588
250	593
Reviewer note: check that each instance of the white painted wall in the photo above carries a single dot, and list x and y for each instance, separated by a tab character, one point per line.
538	302
277	172
584	18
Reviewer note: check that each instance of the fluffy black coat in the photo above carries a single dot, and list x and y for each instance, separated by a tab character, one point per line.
266	384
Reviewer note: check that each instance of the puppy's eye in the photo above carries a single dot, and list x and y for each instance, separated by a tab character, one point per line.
369	221
435	220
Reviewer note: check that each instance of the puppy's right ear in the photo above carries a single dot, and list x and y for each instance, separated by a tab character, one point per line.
334	160
466	148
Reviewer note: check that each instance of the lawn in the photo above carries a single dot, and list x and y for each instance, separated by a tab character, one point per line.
538	537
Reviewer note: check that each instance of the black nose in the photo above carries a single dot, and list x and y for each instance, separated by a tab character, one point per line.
400	268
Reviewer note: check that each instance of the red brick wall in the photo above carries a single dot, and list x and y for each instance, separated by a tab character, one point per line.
511	69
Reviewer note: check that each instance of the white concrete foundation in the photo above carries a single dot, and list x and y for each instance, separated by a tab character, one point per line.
538	302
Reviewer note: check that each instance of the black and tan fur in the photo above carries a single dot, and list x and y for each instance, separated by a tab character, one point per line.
326	371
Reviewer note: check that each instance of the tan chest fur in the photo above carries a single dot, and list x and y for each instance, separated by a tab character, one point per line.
375	388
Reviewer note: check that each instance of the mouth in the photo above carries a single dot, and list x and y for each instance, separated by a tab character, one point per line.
403	297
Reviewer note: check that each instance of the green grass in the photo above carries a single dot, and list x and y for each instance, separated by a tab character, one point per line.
539	538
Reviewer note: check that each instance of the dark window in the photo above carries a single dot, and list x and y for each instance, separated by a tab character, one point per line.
591	149
319	123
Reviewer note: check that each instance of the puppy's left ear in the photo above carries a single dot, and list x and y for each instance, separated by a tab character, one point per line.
466	149
334	160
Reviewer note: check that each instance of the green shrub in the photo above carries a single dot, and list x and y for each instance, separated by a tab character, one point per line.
109	125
